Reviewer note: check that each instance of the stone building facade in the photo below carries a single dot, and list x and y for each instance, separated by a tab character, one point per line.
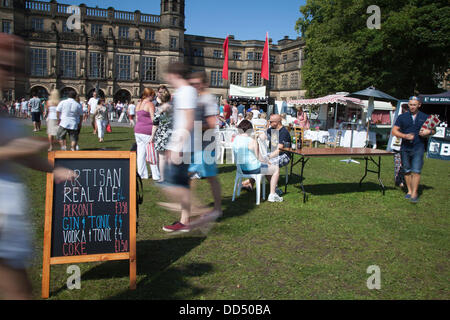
119	52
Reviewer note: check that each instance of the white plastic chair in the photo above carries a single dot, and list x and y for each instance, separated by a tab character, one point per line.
259	178
225	144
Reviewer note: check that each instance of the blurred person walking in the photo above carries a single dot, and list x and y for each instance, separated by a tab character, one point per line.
15	148
204	164
178	154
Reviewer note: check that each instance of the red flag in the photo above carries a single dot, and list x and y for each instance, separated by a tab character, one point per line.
225	63
265	60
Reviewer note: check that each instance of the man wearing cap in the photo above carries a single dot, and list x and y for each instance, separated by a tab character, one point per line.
408	127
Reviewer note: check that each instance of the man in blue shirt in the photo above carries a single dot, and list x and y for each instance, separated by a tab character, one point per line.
408	127
241	109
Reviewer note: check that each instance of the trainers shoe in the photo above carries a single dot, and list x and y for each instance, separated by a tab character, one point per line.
279	191
414	200
176	227
407	196
274	198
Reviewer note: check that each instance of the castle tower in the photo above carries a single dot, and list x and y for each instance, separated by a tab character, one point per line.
172	14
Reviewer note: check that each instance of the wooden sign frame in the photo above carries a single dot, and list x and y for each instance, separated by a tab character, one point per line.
131	255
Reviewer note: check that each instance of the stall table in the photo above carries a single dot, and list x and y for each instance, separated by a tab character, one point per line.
359	138
367	153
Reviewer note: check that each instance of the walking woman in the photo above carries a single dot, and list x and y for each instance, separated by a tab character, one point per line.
101	119
143	130
52	117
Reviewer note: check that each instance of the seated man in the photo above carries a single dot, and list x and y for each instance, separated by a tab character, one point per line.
277	135
248	158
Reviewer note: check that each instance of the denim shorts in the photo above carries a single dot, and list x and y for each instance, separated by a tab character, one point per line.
176	175
412	160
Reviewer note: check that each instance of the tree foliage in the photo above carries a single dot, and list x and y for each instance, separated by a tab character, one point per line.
408	54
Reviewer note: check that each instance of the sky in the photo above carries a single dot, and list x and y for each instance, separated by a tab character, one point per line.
245	19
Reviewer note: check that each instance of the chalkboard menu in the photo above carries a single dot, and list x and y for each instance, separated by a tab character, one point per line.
93	216
90	214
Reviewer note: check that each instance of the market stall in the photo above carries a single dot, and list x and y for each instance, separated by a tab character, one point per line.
333	109
249	96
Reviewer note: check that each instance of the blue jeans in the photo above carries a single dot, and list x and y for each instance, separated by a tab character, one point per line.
412	160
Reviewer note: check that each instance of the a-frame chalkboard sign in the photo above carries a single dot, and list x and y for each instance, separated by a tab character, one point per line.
93	217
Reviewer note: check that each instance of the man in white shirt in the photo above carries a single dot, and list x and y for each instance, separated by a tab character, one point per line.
178	154
92	107
71	114
255	112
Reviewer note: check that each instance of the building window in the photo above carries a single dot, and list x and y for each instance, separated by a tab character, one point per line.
174	6
166	5
38	62
68	63
96	65
272	81
150	34
96	30
250	56
295	55
236	78
6	26
272	59
123	67
173	42
148	68
218	54
37	24
123	32
197	52
258	56
258	80
174	21
249	79
237	55
294	80
216	79
284	80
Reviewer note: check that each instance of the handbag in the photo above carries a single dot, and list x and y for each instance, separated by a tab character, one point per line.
108	128
152	156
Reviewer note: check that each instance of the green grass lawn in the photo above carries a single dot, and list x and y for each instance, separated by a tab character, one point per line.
289	250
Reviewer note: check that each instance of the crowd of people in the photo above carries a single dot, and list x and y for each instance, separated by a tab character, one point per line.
172	132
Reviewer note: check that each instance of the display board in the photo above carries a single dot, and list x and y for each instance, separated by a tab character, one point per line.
92	217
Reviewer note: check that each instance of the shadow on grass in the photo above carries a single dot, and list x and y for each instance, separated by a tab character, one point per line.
154	262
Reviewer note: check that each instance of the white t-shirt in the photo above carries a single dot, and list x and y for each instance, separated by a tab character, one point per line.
255	113
71	111
93	103
184	98
131	109
24	106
